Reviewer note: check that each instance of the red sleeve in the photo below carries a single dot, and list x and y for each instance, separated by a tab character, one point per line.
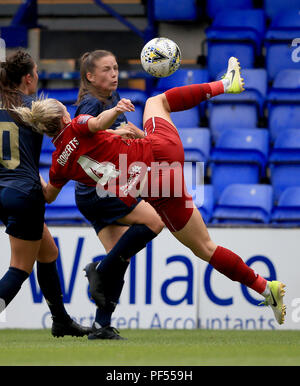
80	124
55	179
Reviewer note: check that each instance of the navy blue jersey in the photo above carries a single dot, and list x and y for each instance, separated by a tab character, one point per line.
20	149
93	106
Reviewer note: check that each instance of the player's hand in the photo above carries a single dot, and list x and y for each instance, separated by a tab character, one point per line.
138	132
124	131
124	105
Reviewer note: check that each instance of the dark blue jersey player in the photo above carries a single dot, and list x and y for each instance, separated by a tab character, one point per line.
19	153
109	216
22	204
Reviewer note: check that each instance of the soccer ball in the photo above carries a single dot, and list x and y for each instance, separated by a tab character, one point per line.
160	57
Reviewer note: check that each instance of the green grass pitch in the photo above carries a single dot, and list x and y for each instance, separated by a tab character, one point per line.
153	348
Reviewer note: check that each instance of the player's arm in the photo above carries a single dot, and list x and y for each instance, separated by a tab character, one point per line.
105	119
50	192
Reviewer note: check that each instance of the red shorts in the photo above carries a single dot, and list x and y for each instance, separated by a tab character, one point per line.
172	201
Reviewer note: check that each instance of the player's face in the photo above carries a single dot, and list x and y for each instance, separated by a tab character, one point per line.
105	75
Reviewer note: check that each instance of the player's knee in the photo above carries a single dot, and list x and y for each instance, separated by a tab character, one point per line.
205	249
157	100
50	255
153	222
157	225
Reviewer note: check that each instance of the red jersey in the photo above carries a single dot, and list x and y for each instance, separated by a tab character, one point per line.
103	159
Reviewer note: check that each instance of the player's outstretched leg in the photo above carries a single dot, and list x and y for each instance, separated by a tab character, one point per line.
195	236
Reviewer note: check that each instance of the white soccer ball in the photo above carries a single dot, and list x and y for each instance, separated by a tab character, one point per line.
160	57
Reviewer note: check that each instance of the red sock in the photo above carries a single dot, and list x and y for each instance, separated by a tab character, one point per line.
232	266
186	97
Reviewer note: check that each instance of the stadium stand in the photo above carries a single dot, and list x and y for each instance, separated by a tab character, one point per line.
238	33
244	204
239	156
168	10
46	152
187	118
182	77
279	42
273	8
224	116
215	6
196	143
245	110
64	209
283	102
287	210
284	161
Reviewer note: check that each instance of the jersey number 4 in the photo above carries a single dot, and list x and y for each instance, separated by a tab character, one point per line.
9	145
101	172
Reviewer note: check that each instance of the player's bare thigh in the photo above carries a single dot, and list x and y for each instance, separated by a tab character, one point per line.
23	253
195	236
157	106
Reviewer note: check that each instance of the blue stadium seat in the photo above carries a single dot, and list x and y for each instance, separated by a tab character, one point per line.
237	33
215	6
281	42
65	95
203	197
239	156
284	161
283	102
136	116
64	210
186	118
223	116
287	210
46	151
255	90
244	204
275	7
182	77
135	95
196	143
168	10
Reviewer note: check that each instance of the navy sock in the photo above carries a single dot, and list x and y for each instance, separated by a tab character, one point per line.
131	242
103	316
49	283
10	285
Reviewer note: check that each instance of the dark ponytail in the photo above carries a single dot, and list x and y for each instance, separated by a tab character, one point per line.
12	70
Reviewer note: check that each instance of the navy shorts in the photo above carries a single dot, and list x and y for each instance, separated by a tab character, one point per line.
22	213
104	211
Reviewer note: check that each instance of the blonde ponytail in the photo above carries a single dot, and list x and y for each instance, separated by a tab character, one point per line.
44	116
